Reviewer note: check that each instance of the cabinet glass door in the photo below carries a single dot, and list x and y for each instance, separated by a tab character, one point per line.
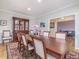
16	25
26	25
21	25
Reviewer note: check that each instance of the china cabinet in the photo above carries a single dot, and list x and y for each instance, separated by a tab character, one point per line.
20	25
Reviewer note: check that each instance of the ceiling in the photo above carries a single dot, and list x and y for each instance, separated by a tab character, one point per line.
37	8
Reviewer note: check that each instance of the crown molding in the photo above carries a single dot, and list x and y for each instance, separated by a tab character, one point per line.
59	9
9	11
15	13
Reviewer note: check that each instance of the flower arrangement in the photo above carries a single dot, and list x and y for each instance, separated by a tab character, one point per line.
36	29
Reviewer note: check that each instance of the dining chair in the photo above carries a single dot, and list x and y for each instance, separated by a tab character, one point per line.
28	47
19	41
6	36
72	55
40	50
46	33
60	35
24	48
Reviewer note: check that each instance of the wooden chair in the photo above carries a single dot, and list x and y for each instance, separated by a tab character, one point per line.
27	38
46	33
72	55
24	48
60	35
6	36
19	41
27	47
40	50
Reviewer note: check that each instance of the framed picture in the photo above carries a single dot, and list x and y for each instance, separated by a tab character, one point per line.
42	24
3	22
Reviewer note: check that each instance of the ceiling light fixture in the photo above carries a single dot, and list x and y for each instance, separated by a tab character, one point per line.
39	1
29	9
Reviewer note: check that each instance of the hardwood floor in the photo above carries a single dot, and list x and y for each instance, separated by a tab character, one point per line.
3	52
70	43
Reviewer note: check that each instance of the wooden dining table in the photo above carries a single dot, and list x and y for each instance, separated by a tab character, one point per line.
55	47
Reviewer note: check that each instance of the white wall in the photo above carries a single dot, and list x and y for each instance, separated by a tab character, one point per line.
72	10
7	15
77	31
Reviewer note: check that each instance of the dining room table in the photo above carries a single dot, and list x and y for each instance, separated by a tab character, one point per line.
54	47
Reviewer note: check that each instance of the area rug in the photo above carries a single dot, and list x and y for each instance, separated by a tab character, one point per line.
13	52
3	52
